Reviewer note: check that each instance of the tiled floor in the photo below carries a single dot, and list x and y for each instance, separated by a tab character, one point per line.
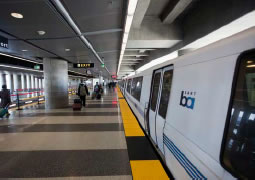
62	144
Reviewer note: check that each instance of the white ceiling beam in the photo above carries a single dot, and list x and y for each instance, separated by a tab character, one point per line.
102	32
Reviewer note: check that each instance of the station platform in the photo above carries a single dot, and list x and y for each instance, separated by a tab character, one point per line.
102	141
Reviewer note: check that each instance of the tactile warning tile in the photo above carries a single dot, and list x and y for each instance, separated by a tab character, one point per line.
144	162
130	123
148	170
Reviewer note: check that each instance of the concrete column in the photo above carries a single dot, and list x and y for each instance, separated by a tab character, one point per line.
8	81
17	81
28	79
12	82
42	83
101	80
36	83
3	79
32	81
23	86
56	83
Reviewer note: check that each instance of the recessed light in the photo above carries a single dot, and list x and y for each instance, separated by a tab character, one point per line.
67	49
17	15
24	50
41	32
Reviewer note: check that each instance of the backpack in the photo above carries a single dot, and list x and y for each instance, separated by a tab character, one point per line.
96	89
82	91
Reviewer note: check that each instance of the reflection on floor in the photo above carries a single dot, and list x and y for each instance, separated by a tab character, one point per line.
63	144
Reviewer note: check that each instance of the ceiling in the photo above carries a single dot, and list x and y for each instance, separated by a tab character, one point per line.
100	21
155	27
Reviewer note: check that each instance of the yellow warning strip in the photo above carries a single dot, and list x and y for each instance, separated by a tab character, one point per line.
130	123
141	169
148	169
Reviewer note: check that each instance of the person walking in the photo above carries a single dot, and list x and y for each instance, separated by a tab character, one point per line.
83	91
5	98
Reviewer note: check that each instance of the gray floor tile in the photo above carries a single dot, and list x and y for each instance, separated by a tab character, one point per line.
32	164
123	177
62	141
62	120
61	127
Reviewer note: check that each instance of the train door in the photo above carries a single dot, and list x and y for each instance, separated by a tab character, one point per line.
162	83
163	104
153	103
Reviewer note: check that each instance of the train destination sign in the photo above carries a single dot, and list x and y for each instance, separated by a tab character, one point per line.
83	65
3	42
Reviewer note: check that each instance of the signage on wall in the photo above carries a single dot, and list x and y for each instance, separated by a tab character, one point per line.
114	76
37	67
83	65
3	42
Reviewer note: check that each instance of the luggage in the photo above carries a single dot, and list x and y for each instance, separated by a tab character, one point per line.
98	96
77	101
77	105
3	111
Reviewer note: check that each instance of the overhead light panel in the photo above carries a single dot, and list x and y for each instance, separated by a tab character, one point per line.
129	18
67	49
17	15
132	6
125	37
24	50
128	24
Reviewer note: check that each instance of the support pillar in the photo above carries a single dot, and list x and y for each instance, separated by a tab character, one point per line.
3	79
55	83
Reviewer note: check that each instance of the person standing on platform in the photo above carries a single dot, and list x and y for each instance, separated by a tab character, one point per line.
83	91
5	98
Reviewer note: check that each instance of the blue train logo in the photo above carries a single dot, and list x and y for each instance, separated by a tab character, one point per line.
187	99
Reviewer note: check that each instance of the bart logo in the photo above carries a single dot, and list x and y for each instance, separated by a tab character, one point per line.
188	101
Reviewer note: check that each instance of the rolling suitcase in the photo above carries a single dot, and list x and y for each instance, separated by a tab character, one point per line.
4	111
77	105
98	96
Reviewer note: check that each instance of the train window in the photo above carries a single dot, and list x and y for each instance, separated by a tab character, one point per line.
238	153
133	86
155	89
129	85
137	87
165	93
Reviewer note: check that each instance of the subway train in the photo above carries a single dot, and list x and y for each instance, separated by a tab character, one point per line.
199	109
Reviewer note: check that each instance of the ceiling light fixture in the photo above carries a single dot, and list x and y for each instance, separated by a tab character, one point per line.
129	18
41	33
24	50
67	49
17	15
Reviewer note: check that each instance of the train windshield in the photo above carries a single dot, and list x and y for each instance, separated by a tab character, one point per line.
239	148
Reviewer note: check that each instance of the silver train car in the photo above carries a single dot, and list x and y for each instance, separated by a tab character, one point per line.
199	109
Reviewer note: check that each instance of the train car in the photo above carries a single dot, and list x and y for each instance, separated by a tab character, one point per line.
199	109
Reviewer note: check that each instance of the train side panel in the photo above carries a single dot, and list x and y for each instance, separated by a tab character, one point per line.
196	117
138	107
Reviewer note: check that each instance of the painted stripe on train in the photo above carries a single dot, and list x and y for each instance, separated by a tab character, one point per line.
192	171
